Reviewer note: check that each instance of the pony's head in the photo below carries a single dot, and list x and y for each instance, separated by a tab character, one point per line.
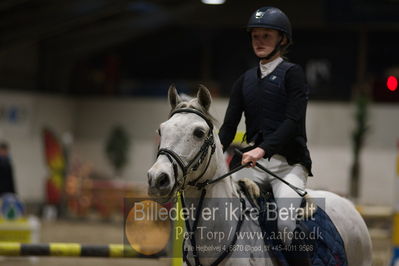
186	145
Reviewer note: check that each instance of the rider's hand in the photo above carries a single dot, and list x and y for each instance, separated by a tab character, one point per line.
253	156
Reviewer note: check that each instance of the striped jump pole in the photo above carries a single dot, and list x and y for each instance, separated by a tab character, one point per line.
70	250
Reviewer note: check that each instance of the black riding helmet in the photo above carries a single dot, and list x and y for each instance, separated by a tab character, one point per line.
271	18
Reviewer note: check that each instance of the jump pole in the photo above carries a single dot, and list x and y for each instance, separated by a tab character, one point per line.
70	250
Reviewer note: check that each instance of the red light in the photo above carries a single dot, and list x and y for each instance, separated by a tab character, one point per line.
392	83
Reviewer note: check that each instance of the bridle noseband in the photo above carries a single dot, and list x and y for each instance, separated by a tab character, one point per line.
198	159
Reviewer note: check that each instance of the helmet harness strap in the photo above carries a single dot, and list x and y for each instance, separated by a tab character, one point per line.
276	49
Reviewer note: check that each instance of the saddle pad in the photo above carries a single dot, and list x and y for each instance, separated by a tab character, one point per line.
323	244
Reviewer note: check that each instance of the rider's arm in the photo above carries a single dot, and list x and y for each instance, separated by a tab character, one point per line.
233	114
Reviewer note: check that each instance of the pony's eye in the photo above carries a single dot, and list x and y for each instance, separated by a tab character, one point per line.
199	133
158	131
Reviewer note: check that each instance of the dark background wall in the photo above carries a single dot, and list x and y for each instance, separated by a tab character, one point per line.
137	48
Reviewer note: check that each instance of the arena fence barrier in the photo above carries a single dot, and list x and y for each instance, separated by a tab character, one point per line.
70	250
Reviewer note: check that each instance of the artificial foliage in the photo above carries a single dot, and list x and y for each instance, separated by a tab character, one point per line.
117	148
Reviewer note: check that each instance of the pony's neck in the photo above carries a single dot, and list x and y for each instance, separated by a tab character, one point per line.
221	200
222	189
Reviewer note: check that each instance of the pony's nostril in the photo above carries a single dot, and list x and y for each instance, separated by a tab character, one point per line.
163	180
150	179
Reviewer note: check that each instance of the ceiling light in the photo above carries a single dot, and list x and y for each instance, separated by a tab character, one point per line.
213	2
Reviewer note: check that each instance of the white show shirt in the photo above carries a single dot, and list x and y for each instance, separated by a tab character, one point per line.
268	68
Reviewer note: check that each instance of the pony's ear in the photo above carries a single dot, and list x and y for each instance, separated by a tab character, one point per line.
174	98
204	97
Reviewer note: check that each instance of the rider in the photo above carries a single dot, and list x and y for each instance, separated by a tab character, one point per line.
273	97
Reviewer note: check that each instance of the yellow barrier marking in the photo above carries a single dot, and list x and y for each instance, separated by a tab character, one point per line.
395	237
115	250
119	251
238	137
65	249
178	238
10	249
22	221
20	236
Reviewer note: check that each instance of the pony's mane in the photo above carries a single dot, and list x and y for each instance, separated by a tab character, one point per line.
193	104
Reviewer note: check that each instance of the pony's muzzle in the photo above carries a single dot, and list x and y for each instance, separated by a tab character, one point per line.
163	181
159	184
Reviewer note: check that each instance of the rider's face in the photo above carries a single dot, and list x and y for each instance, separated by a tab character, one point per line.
264	41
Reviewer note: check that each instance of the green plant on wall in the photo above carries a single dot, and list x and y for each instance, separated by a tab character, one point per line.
358	138
117	148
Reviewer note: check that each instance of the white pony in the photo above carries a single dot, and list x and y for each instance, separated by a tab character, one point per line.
190	154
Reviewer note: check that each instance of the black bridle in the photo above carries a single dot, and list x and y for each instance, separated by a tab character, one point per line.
197	160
